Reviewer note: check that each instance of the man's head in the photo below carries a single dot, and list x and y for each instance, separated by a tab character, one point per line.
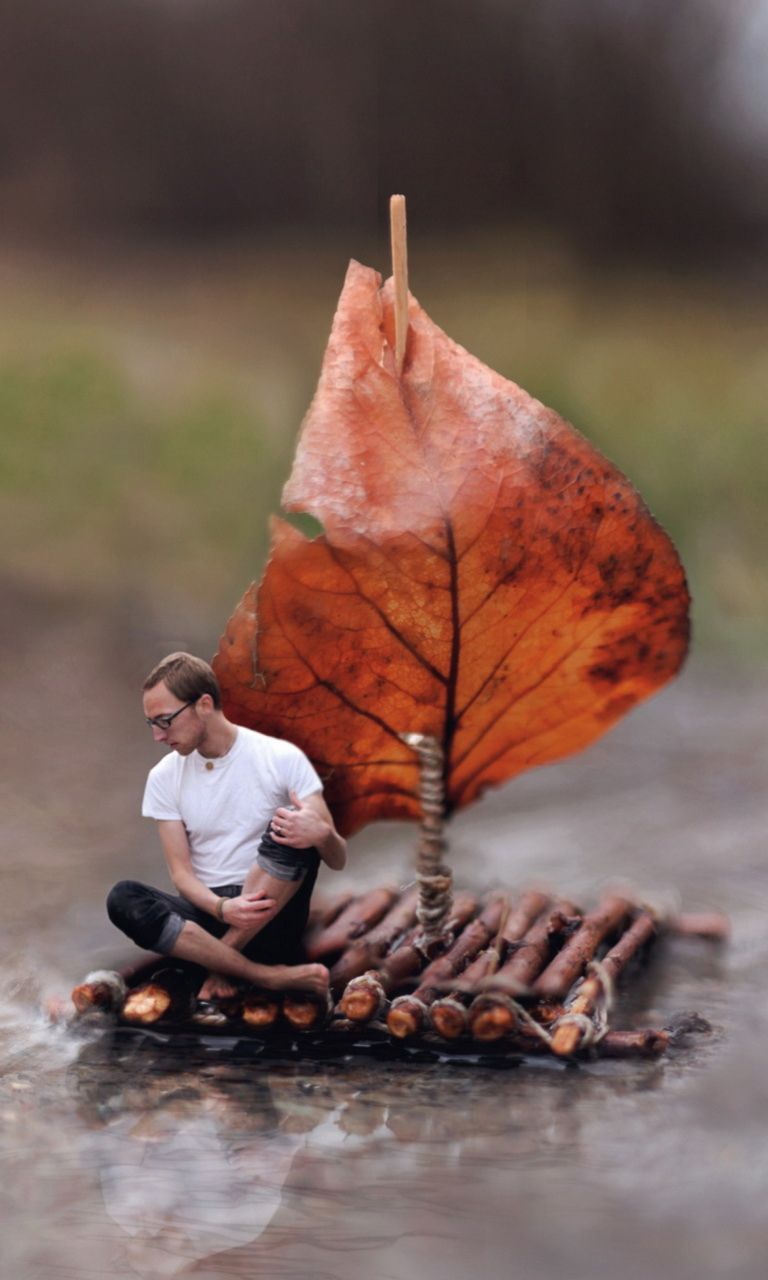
181	699
186	677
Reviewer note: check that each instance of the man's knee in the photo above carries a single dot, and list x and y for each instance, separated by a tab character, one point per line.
123	899
138	911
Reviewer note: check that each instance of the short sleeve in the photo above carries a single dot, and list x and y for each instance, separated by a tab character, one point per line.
301	776
159	799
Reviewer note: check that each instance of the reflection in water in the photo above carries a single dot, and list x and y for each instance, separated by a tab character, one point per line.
155	1162
194	1154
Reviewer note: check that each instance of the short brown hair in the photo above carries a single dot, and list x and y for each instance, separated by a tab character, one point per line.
187	677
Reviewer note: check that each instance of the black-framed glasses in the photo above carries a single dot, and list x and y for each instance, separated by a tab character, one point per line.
165	722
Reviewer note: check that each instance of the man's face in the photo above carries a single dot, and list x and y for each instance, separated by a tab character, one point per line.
187	730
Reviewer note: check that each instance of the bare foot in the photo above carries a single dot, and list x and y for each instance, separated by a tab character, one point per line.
298	977
216	987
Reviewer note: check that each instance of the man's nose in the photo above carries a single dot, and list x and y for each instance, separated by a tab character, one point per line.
159	734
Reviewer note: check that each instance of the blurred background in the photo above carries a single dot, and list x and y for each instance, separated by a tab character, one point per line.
183	181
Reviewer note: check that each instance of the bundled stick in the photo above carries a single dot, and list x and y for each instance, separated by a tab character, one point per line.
448	1014
365	997
305	1012
104	990
581	1024
649	1042
571	961
261	1009
353	921
408	1014
713	926
368	951
493	1014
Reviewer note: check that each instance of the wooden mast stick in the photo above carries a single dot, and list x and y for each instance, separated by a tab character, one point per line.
399	243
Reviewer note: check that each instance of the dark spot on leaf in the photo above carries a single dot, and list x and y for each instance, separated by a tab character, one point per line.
608	673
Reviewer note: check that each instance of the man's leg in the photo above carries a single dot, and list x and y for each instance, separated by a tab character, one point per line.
160	921
197	946
149	917
277	939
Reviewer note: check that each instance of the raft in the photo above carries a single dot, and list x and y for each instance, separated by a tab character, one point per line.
511	977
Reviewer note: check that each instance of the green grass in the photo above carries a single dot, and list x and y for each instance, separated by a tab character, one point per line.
106	490
145	438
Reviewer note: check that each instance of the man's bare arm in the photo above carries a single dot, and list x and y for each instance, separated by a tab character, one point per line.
251	908
309	823
277	892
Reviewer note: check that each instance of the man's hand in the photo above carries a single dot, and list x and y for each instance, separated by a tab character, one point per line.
302	826
246	910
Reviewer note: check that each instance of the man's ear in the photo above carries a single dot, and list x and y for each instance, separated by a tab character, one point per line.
204	704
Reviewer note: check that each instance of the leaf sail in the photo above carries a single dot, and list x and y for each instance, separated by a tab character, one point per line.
484	576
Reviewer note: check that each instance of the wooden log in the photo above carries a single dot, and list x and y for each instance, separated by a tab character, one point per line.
448	1014
492	1013
408	1014
305	1012
713	926
105	990
323	912
168	990
365	996
572	1028
570	962
649	1042
102	991
521	918
368	951
146	1004
261	1009
531	953
355	920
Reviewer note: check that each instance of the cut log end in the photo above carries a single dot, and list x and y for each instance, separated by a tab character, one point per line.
449	1018
406	1017
146	1004
303	1012
491	1020
102	991
363	1004
260	1011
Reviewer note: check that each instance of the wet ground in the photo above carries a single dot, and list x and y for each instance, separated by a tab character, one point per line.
121	1158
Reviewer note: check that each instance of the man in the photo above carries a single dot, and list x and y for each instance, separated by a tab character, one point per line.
243	825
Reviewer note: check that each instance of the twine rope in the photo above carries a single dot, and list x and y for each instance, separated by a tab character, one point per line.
434	879
594	1026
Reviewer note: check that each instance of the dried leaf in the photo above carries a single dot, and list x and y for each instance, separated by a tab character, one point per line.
484	575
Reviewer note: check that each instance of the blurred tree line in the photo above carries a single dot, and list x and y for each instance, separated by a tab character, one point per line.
607	121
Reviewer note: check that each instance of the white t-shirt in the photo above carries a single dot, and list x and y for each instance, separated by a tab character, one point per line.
226	803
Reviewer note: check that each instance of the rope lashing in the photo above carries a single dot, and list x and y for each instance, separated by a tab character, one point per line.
591	1026
434	879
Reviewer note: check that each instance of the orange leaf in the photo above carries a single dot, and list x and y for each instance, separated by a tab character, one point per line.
484	576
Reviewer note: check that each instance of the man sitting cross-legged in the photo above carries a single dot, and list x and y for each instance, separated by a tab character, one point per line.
243	825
